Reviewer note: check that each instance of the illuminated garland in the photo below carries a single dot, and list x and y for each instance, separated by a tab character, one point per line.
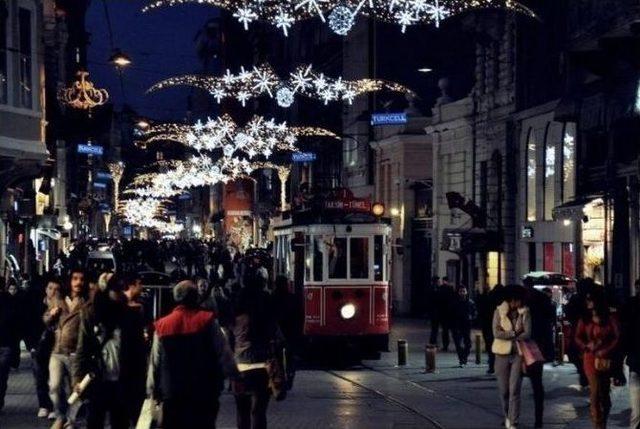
144	212
259	136
262	80
341	14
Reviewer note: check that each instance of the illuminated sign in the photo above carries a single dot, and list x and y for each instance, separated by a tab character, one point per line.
99	185
303	157
388	119
88	149
103	175
527	232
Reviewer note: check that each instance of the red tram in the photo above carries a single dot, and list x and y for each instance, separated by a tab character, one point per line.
338	259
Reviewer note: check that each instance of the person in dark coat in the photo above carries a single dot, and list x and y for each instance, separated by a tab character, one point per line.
256	338
190	357
543	319
464	315
441	318
11	325
631	348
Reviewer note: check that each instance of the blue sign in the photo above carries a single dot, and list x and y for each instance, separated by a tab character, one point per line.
388	119
303	156
99	185
185	196
90	149
103	175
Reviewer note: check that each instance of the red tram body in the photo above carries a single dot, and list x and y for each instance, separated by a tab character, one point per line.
339	266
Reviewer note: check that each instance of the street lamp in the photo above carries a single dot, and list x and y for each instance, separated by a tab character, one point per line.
120	59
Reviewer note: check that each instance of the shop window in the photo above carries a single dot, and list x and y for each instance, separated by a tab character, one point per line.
359	258
569	161
337	253
568	260
548	256
531	176
493	268
549	188
3	52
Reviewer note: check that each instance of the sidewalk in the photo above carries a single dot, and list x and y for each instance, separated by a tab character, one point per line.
472	394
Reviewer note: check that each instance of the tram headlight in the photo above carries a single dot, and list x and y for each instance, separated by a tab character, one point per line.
347	311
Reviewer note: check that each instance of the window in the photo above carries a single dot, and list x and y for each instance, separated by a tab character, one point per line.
359	260
532	256
3	53
568	161
549	175
337	253
317	258
549	257
307	258
493	268
531	176
568	261
25	58
378	258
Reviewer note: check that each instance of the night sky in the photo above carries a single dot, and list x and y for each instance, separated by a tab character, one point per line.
160	43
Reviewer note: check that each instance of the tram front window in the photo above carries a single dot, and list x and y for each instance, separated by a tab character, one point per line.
317	258
338	258
359	263
378	259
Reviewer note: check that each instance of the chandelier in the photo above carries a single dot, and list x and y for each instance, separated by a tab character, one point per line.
263	81
341	14
82	94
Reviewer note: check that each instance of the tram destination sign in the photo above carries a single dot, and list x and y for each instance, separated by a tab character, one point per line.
354	205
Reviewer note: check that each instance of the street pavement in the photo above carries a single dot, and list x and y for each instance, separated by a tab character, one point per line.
378	394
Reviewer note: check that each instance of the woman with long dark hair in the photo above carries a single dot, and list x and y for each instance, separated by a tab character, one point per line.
597	336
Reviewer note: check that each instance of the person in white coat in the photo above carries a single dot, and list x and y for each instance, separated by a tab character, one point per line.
511	323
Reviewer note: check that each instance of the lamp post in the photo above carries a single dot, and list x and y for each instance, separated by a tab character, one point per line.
117	170
283	175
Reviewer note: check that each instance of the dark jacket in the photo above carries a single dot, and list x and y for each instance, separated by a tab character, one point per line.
11	320
255	329
543	319
445	301
464	312
631	333
189	357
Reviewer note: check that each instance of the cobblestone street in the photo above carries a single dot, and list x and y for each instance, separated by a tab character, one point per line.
378	394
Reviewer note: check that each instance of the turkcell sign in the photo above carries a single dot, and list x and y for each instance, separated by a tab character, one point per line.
103	175
88	149
388	118
303	156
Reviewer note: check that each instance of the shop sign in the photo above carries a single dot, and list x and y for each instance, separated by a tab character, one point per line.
388	119
88	149
303	156
527	232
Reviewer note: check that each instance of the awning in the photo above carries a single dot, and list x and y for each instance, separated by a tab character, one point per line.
574	209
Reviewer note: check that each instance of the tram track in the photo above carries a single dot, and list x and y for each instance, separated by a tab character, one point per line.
388	398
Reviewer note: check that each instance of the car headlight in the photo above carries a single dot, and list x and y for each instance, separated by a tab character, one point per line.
347	311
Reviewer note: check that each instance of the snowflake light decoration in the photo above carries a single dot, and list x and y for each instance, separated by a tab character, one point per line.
259	136
342	13
262	81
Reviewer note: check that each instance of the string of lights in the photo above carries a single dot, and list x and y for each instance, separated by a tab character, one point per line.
147	213
341	15
258	137
263	81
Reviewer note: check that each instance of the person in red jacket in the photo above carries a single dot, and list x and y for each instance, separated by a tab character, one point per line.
598	336
190	357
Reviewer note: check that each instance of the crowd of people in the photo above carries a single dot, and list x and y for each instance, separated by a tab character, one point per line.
520	324
89	336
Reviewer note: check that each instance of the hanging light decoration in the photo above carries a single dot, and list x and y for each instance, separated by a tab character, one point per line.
342	14
117	171
82	94
147	213
258	137
263	81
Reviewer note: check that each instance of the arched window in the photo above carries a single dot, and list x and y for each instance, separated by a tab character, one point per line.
4	31
531	175
569	161
549	178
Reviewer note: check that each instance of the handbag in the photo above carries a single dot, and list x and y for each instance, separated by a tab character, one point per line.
530	352
602	364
